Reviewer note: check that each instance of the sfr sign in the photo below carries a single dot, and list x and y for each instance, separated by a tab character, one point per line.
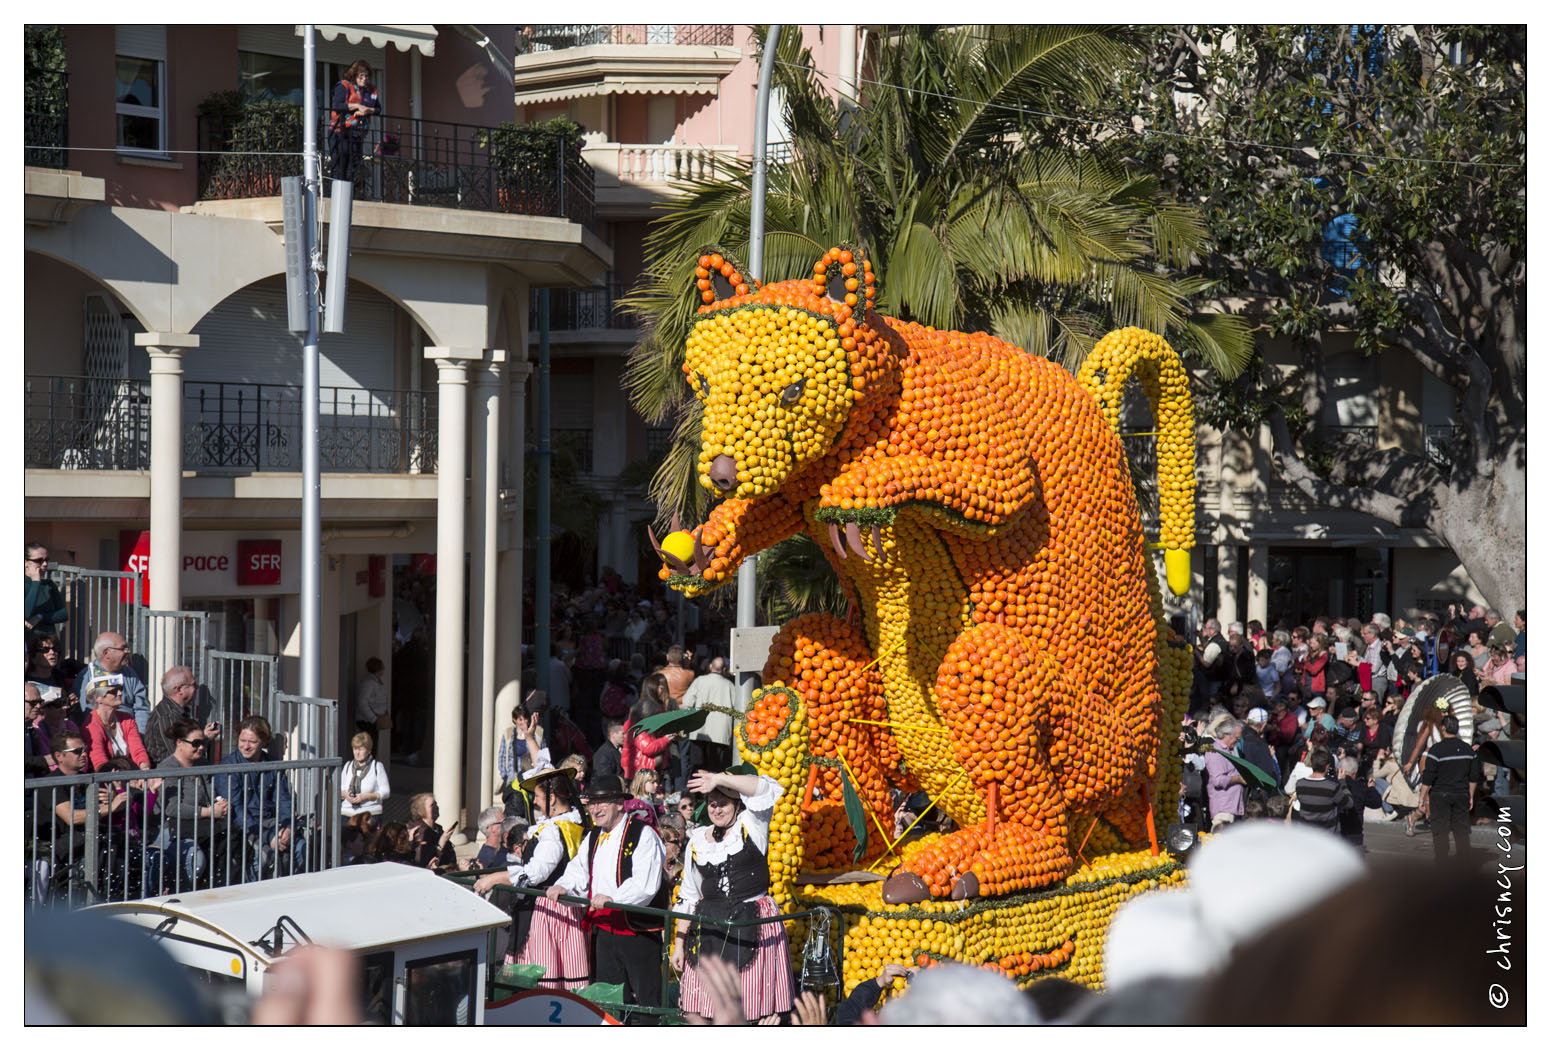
258	563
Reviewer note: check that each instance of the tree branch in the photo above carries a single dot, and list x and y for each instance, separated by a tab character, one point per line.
1365	500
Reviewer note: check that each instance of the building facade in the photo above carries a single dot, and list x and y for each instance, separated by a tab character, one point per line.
163	415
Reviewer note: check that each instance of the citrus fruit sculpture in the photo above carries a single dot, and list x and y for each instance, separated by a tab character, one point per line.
1005	650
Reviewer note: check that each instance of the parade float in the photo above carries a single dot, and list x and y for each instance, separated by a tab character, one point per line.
1004	651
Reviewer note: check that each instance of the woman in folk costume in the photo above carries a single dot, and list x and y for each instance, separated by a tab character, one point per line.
546	932
727	877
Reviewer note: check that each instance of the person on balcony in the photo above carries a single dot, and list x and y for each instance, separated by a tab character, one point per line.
354	102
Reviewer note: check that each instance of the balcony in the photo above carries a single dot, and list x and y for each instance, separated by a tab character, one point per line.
571	309
537	39
633	178
557	62
45	118
435	164
81	423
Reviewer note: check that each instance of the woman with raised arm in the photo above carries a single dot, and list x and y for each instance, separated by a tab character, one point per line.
727	877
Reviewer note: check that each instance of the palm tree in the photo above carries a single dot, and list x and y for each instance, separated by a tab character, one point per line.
979	207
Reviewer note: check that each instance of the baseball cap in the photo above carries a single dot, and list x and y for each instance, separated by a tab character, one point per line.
1316	702
1257	715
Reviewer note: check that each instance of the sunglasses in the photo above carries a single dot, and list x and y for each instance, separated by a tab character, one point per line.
199	743
47	649
38	561
77	750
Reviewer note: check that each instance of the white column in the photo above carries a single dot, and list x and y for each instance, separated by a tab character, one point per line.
1257	602
483	519
451	468
1227	583
166	351
508	658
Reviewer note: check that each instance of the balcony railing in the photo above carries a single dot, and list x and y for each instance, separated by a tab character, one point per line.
46	124
639	163
438	164
535	39
578	308
1442	442
77	423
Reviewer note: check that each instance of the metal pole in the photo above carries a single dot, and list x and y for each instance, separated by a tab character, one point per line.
541	526
747	572
312	525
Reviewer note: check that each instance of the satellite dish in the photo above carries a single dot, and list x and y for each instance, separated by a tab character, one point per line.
1426	695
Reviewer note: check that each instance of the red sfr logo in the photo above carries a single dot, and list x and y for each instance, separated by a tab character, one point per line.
258	563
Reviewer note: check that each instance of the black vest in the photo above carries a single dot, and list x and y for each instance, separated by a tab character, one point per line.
624	868
743	874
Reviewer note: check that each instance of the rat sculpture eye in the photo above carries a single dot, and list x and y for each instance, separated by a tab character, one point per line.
790	395
705	388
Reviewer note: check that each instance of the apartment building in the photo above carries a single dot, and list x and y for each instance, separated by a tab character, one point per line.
163	415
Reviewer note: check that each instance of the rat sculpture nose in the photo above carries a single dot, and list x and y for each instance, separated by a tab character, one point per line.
724	473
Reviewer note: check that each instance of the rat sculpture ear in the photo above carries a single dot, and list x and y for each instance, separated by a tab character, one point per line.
844	276
719	276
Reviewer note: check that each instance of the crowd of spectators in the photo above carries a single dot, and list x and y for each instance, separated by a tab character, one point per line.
1315	708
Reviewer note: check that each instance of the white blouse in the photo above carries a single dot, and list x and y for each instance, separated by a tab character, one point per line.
752	825
549	852
374	780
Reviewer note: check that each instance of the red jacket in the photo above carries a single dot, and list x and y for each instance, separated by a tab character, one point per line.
97	739
642	750
1284	731
1312	678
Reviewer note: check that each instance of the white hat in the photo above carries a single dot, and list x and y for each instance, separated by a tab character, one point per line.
1316	702
1257	715
1304	862
1159	935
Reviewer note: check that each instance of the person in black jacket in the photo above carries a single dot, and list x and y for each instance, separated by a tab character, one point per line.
1449	779
1364	796
864	998
1254	748
608	760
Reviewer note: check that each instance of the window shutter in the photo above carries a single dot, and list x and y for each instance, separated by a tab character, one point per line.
141	41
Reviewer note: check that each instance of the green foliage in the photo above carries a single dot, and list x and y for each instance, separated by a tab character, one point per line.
795	578
532	154
43	48
978	208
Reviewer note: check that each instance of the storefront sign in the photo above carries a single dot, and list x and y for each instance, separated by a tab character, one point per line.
258	563
216	564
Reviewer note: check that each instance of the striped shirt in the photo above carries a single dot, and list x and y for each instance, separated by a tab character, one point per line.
1321	800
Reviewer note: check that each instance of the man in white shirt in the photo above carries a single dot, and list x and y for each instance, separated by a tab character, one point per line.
710	747
619	861
371	700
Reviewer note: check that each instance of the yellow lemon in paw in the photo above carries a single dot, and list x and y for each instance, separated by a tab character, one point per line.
680	545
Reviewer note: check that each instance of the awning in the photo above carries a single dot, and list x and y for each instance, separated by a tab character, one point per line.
401	37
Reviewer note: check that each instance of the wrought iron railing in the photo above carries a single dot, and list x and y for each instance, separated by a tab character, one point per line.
438	164
80	423
535	39
46	122
1442	443
574	308
1365	436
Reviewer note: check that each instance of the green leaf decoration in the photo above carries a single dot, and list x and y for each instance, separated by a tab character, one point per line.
856	814
1252	773
683	720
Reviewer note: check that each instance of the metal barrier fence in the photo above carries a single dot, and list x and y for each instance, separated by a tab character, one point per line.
169	638
99	600
117	836
241	684
501	897
309	725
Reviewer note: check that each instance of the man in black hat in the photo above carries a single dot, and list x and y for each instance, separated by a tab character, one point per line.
619	862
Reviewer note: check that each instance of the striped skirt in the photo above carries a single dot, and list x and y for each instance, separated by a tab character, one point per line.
557	940
767	981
